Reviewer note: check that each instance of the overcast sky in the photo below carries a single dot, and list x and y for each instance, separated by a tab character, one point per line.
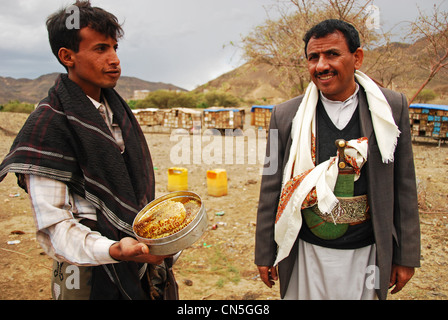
183	42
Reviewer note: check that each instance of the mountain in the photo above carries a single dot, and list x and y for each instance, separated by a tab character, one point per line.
259	84
255	84
127	85
34	90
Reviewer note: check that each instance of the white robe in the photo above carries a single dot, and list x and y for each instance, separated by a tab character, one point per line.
332	274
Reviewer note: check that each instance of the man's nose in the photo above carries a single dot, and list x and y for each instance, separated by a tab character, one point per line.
322	64
113	58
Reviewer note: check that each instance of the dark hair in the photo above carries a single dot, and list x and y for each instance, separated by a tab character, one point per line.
330	26
61	36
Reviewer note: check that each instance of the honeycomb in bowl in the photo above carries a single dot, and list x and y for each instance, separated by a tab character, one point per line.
167	218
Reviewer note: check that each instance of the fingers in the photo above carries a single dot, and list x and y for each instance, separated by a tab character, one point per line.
132	248
399	277
398	285
268	275
393	278
141	248
142	255
274	273
129	249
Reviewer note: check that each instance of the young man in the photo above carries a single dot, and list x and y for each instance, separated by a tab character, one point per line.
381	246
85	164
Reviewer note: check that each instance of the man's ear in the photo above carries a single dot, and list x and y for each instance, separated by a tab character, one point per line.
359	58
66	57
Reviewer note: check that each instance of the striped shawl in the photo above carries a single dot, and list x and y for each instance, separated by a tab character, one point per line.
66	139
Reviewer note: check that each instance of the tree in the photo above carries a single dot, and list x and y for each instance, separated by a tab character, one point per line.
432	30
217	98
279	42
163	99
388	64
426	95
157	99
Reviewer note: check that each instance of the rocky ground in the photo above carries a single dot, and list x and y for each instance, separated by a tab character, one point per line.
220	265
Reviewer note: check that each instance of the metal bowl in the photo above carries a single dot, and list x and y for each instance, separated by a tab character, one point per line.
182	239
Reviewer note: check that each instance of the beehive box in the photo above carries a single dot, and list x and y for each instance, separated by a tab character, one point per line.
148	117
428	120
181	118
261	116
223	118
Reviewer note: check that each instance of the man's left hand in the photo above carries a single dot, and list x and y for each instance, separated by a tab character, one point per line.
400	275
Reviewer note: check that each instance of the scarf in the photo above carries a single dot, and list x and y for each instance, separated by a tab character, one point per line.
315	184
66	139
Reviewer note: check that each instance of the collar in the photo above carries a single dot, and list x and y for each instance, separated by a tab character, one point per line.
104	104
95	103
340	112
349	101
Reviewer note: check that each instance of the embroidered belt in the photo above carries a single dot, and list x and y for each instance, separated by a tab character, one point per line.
350	210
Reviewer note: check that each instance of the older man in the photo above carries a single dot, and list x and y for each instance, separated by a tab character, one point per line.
381	248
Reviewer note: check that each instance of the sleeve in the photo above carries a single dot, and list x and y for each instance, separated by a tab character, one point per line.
406	216
271	184
58	232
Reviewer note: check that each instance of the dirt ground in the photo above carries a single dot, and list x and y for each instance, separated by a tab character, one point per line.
220	265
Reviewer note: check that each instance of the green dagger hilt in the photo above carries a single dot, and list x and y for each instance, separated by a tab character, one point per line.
345	183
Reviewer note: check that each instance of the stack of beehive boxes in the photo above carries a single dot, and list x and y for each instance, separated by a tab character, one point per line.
429	121
148	117
181	118
222	118
261	116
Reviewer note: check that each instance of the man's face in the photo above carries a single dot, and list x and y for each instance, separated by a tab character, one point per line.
332	65
96	64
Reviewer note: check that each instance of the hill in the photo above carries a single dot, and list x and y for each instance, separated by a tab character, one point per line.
260	84
255	84
33	90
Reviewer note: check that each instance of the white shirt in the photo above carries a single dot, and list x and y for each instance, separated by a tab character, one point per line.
340	112
57	213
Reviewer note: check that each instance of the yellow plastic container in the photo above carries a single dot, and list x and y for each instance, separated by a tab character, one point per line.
177	179
217	182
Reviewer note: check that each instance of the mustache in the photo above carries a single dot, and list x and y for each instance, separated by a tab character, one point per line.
324	73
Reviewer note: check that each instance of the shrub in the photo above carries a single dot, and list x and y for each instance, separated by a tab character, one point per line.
426	95
163	99
17	106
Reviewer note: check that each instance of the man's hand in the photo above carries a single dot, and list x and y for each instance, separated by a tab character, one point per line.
399	277
268	275
129	249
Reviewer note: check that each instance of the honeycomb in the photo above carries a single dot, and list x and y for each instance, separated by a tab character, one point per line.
166	218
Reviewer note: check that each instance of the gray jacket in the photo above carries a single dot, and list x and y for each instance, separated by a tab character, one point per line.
392	193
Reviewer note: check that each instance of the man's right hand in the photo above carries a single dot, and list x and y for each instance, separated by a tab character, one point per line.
268	275
129	249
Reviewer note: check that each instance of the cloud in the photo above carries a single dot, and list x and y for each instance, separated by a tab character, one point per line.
188	45
183	42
